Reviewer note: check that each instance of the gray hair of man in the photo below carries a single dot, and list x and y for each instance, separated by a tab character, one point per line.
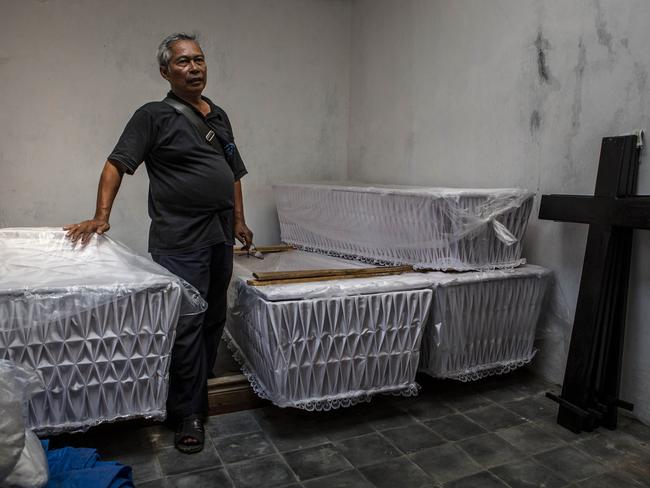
165	47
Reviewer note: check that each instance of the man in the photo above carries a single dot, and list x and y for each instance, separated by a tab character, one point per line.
196	210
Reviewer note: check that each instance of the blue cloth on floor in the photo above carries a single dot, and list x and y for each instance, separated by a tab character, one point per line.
72	467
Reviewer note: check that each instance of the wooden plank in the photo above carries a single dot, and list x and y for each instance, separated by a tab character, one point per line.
267	249
592	376
227	380
316	279
577	388
631	212
327	273
232	394
609	384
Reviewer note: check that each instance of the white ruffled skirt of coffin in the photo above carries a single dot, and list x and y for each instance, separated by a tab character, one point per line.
430	228
96	323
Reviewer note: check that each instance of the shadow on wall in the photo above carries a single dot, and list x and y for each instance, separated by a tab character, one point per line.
553	334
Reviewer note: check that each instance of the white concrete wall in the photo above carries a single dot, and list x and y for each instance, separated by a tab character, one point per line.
73	72
500	93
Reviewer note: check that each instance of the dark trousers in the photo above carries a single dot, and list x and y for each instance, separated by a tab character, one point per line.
197	336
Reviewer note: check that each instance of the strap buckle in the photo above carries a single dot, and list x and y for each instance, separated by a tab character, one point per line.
209	136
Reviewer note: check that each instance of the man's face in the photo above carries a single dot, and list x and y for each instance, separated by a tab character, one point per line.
187	71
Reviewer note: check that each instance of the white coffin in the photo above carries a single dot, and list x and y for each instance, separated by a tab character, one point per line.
433	228
97	323
483	323
324	345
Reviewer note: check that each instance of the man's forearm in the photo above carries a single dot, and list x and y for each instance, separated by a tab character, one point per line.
109	184
241	230
239	202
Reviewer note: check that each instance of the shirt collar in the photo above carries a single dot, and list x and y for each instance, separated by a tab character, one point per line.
171	94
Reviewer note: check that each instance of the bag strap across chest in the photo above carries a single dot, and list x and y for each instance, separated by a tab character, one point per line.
200	124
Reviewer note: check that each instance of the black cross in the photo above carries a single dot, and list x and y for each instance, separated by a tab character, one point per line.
591	381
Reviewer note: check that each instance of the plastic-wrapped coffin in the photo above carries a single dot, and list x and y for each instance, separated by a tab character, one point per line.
96	323
334	349
321	345
433	228
483	323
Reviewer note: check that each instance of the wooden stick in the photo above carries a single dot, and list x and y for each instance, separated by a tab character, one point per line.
267	249
324	273
314	279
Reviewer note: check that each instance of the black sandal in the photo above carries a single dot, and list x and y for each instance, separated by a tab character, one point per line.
190	428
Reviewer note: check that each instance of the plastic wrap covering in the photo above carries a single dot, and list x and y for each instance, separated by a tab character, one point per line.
483	323
326	352
434	228
22	460
301	260
97	322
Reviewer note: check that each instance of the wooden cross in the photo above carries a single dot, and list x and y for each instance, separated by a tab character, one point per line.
590	390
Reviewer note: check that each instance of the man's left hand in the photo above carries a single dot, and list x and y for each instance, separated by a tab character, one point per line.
243	234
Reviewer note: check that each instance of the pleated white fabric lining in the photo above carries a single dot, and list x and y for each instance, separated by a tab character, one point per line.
96	323
484	327
330	352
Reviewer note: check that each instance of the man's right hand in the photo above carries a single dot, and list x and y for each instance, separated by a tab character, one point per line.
86	229
109	183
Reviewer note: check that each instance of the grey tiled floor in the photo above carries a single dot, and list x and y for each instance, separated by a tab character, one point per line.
499	432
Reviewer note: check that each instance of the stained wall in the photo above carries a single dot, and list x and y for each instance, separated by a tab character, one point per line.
469	93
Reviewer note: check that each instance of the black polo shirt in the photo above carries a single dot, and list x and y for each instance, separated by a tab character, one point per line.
191	183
